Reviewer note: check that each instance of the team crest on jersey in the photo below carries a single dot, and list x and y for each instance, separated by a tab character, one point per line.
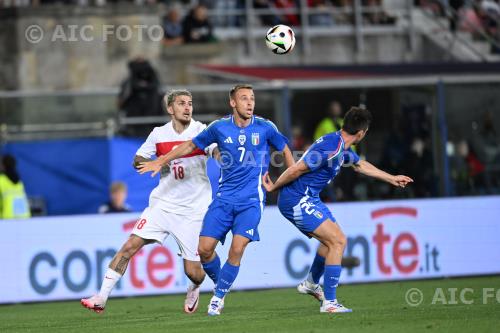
242	139
318	214
255	139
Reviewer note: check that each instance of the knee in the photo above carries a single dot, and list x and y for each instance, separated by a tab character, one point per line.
205	253
337	241
129	249
236	252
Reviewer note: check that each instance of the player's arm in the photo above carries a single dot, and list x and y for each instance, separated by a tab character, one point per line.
290	174
287	155
368	169
155	166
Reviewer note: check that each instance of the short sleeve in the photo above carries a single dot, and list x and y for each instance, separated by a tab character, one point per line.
206	137
317	155
148	148
276	139
350	157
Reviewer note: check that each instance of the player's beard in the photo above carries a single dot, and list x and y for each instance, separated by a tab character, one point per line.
244	114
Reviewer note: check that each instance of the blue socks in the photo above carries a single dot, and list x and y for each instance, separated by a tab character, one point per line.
332	275
227	275
212	268
317	269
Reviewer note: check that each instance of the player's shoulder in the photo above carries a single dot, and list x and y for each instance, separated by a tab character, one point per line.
160	129
331	140
265	123
198	126
220	122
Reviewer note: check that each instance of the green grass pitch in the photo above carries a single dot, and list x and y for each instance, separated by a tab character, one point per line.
379	307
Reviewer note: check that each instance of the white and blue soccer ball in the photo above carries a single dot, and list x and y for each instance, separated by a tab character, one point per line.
280	39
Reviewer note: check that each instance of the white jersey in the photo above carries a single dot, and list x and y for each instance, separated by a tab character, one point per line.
184	187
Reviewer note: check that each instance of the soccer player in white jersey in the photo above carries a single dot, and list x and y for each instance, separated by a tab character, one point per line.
176	206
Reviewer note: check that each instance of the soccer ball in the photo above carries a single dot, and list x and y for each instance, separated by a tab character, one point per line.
280	39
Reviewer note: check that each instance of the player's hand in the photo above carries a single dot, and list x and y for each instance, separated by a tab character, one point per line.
267	182
401	181
153	166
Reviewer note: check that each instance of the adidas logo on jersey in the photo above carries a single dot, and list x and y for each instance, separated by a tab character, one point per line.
250	232
228	140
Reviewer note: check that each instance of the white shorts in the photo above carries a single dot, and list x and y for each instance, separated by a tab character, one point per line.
156	224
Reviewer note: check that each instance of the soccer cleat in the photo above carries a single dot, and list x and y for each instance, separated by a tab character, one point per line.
215	306
94	303
333	307
315	290
192	299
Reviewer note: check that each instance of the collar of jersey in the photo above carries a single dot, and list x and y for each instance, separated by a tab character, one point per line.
251	123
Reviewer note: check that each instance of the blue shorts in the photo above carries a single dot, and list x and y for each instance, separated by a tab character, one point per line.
241	219
305	213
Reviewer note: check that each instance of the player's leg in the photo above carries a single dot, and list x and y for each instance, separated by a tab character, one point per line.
148	229
209	258
311	285
186	230
216	224
195	273
245	230
115	271
332	237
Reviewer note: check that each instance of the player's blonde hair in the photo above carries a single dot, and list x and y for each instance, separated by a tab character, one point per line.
171	95
238	87
117	187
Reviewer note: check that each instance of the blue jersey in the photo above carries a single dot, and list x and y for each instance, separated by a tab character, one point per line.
324	159
244	156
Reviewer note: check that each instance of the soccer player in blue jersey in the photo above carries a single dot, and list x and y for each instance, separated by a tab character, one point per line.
243	141
299	201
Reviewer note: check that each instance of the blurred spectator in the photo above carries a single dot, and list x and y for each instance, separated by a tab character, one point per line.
117	198
196	27
332	123
139	94
376	14
266	19
343	18
456	6
13	199
172	27
486	145
323	18
288	18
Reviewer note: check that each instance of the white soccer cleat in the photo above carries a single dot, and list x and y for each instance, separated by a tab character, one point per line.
215	306
333	307
95	303
315	290
192	299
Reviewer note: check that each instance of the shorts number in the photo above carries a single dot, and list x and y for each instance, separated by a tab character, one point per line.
141	224
242	153
178	172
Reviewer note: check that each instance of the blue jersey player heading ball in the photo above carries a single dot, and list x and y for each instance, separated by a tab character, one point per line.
299	201
243	140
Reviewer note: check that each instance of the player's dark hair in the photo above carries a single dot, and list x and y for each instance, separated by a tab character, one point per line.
357	119
238	87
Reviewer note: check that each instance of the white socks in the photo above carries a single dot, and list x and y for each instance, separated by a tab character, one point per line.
110	279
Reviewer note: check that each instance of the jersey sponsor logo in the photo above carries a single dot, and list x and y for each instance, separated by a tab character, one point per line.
163	148
242	139
250	232
255	139
228	140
